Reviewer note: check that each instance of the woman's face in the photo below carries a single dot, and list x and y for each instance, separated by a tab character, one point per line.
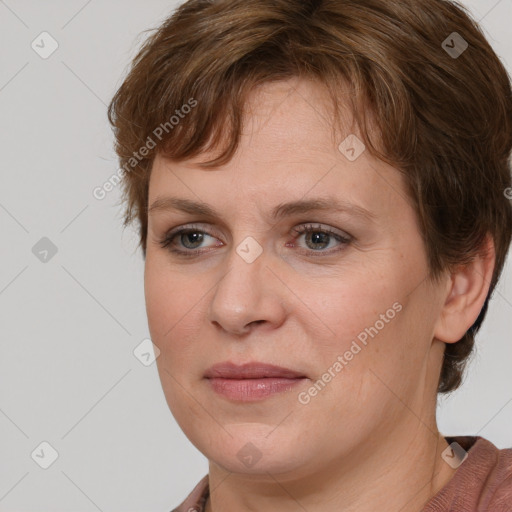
352	311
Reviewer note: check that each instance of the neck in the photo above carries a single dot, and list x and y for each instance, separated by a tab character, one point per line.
378	477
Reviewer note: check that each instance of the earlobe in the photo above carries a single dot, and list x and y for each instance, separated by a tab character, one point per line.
467	289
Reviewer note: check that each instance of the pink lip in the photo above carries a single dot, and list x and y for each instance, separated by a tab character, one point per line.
251	381
249	390
253	370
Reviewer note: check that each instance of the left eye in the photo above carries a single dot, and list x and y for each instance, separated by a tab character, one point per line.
317	239
315	235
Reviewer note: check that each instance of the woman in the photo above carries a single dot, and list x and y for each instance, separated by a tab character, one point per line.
322	192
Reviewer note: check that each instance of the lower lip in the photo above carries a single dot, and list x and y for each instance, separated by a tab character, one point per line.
248	390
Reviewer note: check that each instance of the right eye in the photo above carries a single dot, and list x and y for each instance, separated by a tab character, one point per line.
190	237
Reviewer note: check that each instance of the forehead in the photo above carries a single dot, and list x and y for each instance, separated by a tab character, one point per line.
288	147
293	119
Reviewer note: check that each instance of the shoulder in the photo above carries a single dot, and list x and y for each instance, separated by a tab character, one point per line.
482	482
487	474
500	482
195	501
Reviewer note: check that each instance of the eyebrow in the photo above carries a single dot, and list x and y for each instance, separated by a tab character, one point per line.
280	211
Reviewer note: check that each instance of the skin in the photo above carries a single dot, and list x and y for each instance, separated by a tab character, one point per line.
368	440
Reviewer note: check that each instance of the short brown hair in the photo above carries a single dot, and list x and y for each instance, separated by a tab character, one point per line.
442	102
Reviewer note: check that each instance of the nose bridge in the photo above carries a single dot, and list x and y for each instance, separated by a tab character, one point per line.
245	293
246	264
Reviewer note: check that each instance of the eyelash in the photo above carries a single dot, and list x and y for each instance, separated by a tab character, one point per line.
167	240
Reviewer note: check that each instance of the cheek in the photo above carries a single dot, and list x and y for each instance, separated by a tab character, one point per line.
175	308
170	313
170	298
347	305
364	319
160	302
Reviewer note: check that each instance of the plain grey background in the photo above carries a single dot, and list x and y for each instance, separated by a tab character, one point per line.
70	324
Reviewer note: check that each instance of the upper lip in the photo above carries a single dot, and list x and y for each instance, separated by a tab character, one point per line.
252	370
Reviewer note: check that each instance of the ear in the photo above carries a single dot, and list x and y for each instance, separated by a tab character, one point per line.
466	291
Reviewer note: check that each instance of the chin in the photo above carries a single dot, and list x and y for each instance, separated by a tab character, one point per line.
247	452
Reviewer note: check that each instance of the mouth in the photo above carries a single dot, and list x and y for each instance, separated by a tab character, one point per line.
251	381
252	370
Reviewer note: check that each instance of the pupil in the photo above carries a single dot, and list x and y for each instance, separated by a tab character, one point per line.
317	238
198	237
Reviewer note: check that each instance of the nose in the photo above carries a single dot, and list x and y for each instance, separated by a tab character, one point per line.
249	293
